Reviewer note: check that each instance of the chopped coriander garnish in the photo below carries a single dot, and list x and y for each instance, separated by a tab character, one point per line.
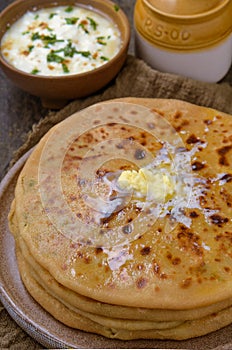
36	16
30	48
84	53
47	39
53	57
35	36
26	32
51	39
104	58
52	15
35	71
68	50
71	20
116	8
82	25
92	23
69	9
100	40
65	68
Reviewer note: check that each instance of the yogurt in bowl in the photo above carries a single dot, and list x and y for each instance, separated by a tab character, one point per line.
60	40
63	50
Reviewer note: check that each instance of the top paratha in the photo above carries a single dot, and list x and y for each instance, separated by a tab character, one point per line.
170	255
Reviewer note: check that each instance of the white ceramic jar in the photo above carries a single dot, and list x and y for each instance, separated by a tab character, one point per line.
192	38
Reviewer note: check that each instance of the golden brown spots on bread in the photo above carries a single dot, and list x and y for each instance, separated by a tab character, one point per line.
217	260
158	112
98	250
222	155
198	270
225	243
88	138
227	197
141	282
192	139
134	112
143	135
143	139
203	201
189	241
174	260
208	121
193	214
212	278
227	269
182	125
145	251
226	178
218	220
177	115
84	257
157	271
224	236
186	283
197	166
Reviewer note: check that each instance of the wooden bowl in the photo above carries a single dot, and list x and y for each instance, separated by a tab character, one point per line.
55	91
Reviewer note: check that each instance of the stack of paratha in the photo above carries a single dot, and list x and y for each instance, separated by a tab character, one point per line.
104	260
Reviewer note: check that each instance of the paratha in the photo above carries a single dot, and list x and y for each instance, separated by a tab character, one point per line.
80	302
60	311
127	251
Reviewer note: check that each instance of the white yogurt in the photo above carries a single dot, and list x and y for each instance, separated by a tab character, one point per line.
60	40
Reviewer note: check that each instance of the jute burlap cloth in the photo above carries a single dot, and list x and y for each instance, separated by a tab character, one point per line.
138	80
